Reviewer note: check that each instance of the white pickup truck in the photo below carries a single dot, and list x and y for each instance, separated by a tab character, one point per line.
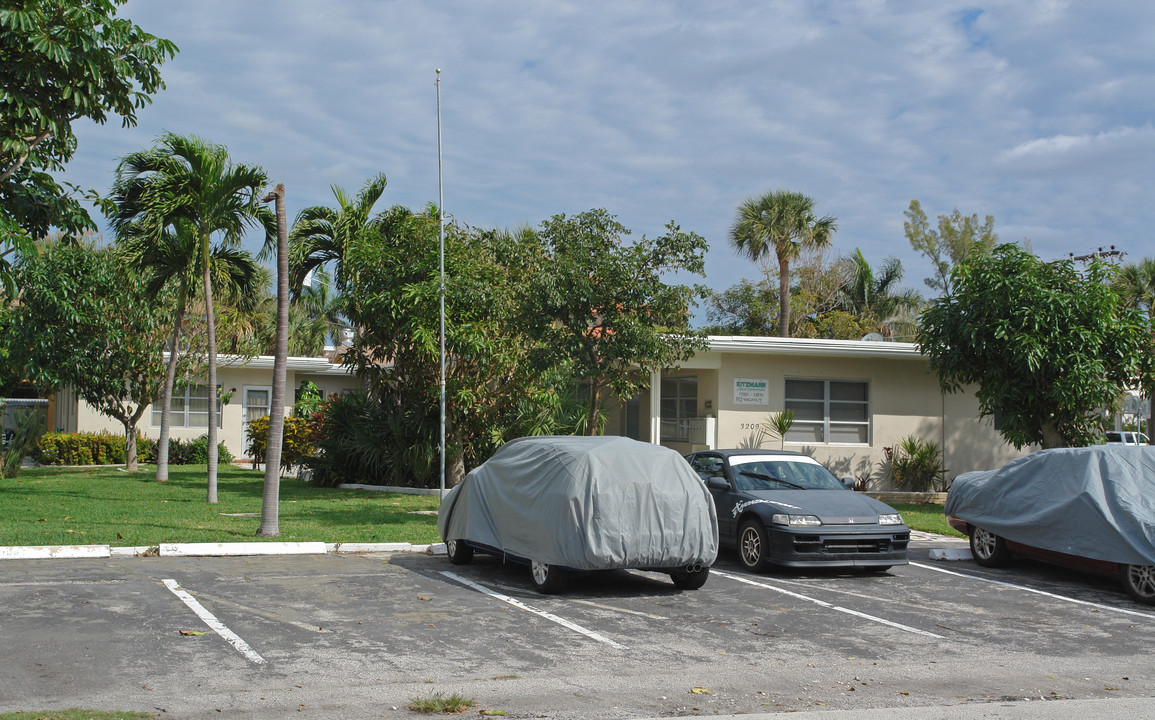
1126	437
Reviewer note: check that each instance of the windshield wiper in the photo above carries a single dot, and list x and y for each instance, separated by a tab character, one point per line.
769	478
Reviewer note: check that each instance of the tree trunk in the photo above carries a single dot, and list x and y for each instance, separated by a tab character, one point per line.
211	334
270	511
595	406
1052	438
166	395
130	464
783	297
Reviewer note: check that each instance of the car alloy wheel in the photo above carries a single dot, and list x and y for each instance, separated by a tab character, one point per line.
547	579
752	545
459	553
1139	581
988	549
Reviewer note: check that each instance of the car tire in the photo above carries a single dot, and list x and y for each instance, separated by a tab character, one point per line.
988	549
753	545
459	553
1139	582
690	579
547	579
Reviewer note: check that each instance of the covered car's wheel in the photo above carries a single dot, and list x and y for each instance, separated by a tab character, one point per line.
752	545
1139	581
689	578
459	552
988	549
548	579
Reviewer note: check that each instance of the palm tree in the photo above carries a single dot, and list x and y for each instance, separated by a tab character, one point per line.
784	221
1135	284
187	179
322	234
874	295
173	258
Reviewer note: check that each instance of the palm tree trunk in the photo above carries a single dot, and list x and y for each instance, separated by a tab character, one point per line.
211	333
269	504
166	395
783	297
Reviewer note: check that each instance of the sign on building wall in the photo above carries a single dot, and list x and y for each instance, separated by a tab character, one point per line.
751	392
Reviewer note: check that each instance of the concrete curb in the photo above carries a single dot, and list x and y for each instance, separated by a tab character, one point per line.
45	552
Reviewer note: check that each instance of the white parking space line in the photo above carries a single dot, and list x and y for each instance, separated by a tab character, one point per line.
821	603
1037	592
541	613
217	626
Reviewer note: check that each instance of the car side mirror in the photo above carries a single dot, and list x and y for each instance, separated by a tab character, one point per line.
849	482
717	483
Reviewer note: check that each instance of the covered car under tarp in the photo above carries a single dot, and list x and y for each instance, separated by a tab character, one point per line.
585	503
1093	502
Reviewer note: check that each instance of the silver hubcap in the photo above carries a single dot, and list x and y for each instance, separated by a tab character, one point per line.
984	543
751	547
540	571
1142	578
451	547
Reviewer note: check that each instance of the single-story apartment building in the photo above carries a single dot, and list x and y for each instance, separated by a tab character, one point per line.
248	384
850	399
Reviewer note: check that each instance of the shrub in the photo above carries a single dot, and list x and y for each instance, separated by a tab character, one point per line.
84	448
359	440
187	452
296	440
916	464
29	428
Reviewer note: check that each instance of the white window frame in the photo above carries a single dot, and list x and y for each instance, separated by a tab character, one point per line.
245	403
826	424
180	418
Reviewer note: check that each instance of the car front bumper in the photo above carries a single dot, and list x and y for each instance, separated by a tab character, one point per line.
836	547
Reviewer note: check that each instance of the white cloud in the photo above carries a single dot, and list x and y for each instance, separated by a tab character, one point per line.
1037	113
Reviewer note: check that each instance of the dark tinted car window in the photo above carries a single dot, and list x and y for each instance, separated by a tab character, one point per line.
793	475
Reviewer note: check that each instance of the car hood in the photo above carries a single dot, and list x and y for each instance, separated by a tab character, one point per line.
833	507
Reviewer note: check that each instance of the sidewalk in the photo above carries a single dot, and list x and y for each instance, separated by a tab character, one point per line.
923	546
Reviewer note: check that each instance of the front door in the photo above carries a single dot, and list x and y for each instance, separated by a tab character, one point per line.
257	402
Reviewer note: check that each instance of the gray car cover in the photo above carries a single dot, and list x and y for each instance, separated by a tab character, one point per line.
1094	502
587	503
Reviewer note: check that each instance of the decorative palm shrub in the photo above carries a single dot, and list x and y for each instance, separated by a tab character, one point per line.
916	464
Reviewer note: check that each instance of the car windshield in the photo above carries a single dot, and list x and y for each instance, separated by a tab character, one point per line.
784	475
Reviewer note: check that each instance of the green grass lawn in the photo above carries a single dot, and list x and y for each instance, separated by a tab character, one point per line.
926	517
107	506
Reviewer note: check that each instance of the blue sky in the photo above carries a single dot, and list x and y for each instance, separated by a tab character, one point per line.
1036	112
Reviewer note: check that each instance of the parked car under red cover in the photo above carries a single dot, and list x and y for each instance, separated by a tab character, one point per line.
1091	509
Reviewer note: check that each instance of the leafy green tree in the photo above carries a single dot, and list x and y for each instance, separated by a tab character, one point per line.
186	179
62	60
393	299
1047	346
873	294
86	321
955	239
602	308
783	221
748	308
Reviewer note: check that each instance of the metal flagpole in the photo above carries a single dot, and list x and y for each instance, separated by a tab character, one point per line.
441	241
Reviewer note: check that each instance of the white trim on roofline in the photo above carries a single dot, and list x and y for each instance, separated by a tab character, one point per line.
811	346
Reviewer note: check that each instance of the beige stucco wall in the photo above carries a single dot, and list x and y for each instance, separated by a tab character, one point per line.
904	400
231	431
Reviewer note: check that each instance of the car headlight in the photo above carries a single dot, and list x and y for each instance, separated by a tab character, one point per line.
795	520
894	519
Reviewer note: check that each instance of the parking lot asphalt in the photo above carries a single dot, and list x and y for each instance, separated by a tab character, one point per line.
350	635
